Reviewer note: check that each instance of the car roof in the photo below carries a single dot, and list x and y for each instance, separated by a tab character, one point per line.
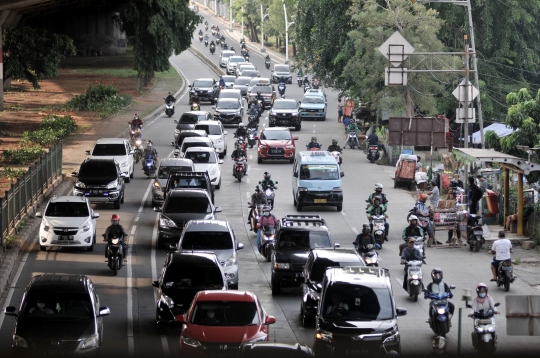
245	78
59	283
183	192
231	90
200	149
193	257
341	255
198	139
214	295
277	129
209	123
238	57
285	100
319	157
282	64
207	225
228	51
367	276
111	141
196	112
204	79
314	93
67	199
229	77
175	162
264	80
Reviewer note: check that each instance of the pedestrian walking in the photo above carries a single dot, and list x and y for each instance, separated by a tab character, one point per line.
340	110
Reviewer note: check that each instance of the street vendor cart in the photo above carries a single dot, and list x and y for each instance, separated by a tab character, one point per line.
405	170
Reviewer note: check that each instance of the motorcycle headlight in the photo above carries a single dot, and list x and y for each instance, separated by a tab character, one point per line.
282	265
124	164
138	142
231	261
440	310
491	329
19	342
268	238
167	300
166	222
258	339
190	341
115	241
91	342
415	277
112	184
323	335
86	226
80	184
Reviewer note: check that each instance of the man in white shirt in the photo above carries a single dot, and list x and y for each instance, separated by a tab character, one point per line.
502	248
337	307
434	195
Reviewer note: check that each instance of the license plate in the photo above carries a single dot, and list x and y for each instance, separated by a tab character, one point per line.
356	352
506	268
274	151
319	201
311	112
65	237
97	191
478	232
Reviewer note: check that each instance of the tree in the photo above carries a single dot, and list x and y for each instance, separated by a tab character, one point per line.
156	29
33	53
251	11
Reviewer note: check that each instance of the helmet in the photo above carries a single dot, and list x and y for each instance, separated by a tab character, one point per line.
422	197
115	219
377	197
334	141
481	286
437	275
439	345
149	144
413	217
241	125
267	176
257	189
258	92
366	228
378	187
314	139
170	94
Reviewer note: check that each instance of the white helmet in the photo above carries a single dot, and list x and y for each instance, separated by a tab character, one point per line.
378	186
413	217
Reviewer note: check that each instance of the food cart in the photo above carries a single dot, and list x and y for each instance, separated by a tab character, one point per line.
405	170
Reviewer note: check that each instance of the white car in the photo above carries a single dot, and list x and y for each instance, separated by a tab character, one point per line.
215	132
206	160
225	56
115	148
242	67
195	142
229	81
68	221
232	62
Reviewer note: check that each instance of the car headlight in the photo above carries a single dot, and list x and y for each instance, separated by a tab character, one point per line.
231	261
282	265
112	184
394	337
19	342
86	226
45	225
91	342
289	146
214	172
219	140
192	342
157	185
262	147
301	188
124	164
167	300
258	339
166	222
440	311
323	335
80	184
294	113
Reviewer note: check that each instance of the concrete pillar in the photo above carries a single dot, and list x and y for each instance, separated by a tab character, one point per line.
520	205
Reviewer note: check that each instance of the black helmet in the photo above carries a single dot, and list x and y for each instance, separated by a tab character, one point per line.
377	197
267	175
334	142
366	229
258	92
437	275
257	189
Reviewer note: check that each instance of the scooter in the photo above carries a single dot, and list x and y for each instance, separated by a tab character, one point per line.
267	64
370	256
149	166
200	38
505	275
373	153
239	168
419	244
352	140
251	134
414	278
439	312
267	242
212	49
169	109
270	194
241	141
378	228
484	336
195	106
306	87
115	254
475	239
300	81
206	43
281	90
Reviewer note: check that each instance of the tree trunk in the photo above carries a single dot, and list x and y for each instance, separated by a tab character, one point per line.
252	32
294	49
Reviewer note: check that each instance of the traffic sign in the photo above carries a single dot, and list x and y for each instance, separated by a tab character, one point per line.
396	49
461	91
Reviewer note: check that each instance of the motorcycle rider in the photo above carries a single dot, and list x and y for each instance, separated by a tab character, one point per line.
378	192
212	45
267	58
241	131
313	143
438	286
351	128
149	150
334	147
221	82
136	123
258	198
206	37
170	98
222	39
266	219
377	209
115	230
411	230
409	254
259	97
253	110
306	81
239	153
282	86
482	302
200	32
365	238
502	248
422	210
267	182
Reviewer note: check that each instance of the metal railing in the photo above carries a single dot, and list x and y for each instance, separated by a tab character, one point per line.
26	191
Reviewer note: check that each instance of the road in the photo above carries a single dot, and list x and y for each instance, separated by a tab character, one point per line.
130	330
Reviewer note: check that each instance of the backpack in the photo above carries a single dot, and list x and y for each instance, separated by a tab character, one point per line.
476	193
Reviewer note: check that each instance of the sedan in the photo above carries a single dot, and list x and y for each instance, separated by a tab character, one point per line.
276	143
218	319
229	81
249	73
206	160
242	83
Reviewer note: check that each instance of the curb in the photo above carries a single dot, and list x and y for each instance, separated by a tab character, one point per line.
215	68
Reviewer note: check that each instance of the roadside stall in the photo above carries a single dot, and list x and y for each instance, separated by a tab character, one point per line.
405	171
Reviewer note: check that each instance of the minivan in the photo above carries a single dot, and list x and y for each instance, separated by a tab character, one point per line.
316	180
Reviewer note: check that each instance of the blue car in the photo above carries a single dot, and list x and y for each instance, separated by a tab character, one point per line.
313	105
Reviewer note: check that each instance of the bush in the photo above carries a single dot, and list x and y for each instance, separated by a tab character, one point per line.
63	124
53	129
11	173
23	155
102	99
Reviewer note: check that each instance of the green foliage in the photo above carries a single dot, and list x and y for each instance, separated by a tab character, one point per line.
492	140
52	129
12	174
33	53
9	241
102	99
23	155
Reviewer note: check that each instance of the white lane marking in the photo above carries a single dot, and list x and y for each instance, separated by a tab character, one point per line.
313	131
251	157
14	282
165	346
153	255
248	196
354	230
343	213
399	281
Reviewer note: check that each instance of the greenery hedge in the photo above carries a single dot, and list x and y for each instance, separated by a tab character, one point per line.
52	129
106	100
23	155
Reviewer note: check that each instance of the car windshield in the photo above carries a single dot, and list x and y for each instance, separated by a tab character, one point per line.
350	302
203	83
190	118
228	105
229	78
201	157
225	313
183	276
109	149
186	205
227	54
282	69
250	73
321	264
194	144
319	172
196	182
276	135
313	100
237	59
98	169
284	105
230	94
207	240
242	81
303	239
63	209
164	171
209	129
58	306
262	89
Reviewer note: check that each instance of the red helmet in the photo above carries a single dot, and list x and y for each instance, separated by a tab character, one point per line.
115	217
422	197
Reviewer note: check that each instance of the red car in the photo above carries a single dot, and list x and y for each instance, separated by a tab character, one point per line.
218	323
276	143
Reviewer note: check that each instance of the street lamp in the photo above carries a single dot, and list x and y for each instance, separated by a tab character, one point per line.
230	15
467	3
287	24
263	16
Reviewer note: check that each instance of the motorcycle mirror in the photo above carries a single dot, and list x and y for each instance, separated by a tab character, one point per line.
276	182
74	174
452	287
497	304
342	174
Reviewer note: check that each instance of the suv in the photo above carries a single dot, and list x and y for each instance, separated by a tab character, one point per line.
188	121
190	180
193	142
216	134
71	322
281	73
180	206
100	181
295	236
229	111
242	83
365	322
312	276
224	57
118	149
183	275
67	221
218	237
313	105
284	113
190	133
207	89
166	167
267	92
232	62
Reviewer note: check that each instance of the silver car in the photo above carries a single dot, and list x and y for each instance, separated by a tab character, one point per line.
224	57
166	167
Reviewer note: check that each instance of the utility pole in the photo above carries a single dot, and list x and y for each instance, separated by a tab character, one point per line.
263	16
242	22
466	100
230	15
476	82
287	24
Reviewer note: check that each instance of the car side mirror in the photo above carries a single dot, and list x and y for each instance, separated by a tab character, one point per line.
157	209
342	174
39	214
220	161
270	320
189	86
74	174
299	102
10	311
180	318
225	133
337	245
295	174
239	246
173	247
213	107
104	311
95	215
300	278
217	209
276	182
131	152
87	152
175	121
295	138
401	311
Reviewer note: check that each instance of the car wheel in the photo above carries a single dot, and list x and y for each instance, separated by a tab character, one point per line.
225	152
127	179
276	289
291	160
339	207
122	202
94	239
294	200
132	171
221	155
42	248
259	160
298	127
117	204
90	248
298	207
218	186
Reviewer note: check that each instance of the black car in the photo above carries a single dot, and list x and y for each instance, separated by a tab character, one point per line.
188	133
180	206
188	120
274	350
357	315
228	111
295	236
101	181
206	89
312	276
59	315
190	180
281	73
183	275
242	83
284	113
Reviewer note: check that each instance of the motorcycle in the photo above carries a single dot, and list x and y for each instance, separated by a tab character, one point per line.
373	153
505	275
267	63
206	42
218	41
241	141
439	312
169	109
270	194
195	106
149	166
115	254
251	134
475	239
212	49
368	253
213	32
137	152
267	242
306	87
378	228
200	38
414	278
281	90
255	216
205	27
299	80
246	57
419	244
484	336
337	156
134	130
352	140
239	168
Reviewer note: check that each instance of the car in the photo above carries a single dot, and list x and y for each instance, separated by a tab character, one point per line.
312	276
195	142
70	323
255	81
216	236
180	206
267	91
188	120
118	149
274	349
241	66
284	113
182	276
229	111
229	81
281	73
68	221
189	180
232	62
294	238
207	89
100	181
219	319
216	134
249	73
313	105
233	93
276	143
242	83
190	133
367	310
165	168
224	57
206	160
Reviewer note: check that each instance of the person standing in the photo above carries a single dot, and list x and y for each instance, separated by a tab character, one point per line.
475	194
340	110
482	183
434	195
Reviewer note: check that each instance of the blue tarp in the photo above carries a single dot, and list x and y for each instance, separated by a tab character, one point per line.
500	128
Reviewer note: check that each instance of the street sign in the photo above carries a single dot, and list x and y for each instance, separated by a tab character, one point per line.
395	76
462	113
396	49
461	91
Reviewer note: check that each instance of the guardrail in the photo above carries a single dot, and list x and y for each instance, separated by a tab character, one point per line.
23	194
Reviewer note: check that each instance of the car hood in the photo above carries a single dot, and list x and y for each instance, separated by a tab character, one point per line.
222	334
181	218
226	110
54	330
104	180
282	74
66	221
357	327
203	88
277	143
223	255
293	256
205	167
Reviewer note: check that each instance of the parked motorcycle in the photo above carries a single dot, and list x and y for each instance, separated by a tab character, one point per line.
378	222
267	242
373	153
414	278
239	168
484	336
251	134
505	275
475	237
149	166
169	108
368	253
115	254
439	312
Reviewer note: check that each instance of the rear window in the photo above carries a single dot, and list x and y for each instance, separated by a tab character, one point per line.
242	81
109	150
303	239
67	209
201	157
183	204
164	172
189	118
262	89
93	169
186	276
237	59
249	73
203	83
207	241
320	265
194	144
196	182
210	129
282	68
